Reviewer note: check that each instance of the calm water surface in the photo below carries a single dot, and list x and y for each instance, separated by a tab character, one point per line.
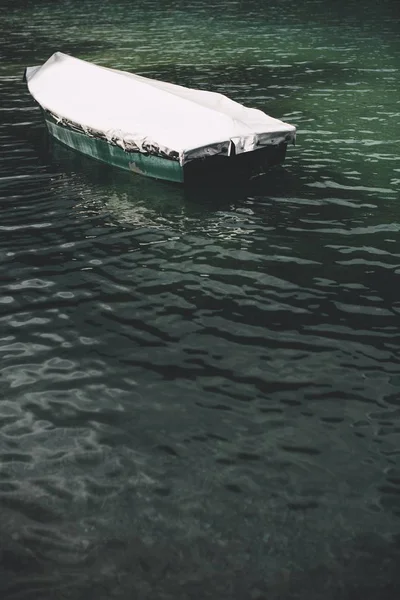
200	391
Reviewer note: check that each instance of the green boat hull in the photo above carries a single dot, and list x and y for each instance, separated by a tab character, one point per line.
143	164
209	170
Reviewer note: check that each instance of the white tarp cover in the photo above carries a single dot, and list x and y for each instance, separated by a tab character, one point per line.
138	113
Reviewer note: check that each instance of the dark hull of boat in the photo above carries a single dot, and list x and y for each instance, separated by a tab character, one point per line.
204	170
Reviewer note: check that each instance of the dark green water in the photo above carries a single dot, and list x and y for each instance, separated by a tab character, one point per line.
200	392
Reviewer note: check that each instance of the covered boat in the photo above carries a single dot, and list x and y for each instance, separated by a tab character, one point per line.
152	127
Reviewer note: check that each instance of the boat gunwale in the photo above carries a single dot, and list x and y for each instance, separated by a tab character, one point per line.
92	133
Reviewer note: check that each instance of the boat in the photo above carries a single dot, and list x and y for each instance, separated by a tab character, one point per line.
152	127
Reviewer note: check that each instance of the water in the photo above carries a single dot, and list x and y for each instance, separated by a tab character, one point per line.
200	391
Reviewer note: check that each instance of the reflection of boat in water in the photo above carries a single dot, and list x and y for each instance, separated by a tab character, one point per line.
151	127
153	206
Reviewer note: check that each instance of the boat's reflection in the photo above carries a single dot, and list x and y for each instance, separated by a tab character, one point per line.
135	199
229	211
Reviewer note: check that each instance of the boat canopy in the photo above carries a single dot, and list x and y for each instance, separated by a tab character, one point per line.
150	116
